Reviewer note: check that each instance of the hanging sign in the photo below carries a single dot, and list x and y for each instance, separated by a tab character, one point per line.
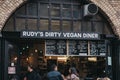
11	70
58	35
109	61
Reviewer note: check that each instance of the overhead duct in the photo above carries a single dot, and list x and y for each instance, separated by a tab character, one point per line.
90	9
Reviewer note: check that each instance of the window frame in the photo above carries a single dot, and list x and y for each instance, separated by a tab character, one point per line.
72	4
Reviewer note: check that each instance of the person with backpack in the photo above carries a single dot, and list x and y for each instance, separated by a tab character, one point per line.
32	75
54	74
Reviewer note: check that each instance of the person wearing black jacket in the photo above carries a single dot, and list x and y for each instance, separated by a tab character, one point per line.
32	75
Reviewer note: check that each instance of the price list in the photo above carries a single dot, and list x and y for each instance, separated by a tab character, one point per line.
75	48
97	48
78	48
56	47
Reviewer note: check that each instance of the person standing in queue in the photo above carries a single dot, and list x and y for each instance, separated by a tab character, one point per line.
32	75
73	75
54	74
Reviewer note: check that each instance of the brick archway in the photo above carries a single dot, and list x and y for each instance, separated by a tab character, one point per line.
109	8
9	6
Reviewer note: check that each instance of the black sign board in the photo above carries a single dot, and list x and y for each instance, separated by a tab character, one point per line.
58	35
75	48
55	47
97	48
102	48
93	48
78	48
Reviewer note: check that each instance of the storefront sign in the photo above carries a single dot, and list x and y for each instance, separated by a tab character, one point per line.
61	35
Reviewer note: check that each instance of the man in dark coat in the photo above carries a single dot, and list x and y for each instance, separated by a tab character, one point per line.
32	75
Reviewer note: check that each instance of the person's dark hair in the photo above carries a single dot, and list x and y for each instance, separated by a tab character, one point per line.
31	66
53	67
73	71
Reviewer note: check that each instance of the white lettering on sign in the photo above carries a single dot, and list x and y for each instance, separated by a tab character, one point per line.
72	35
90	35
32	34
63	35
52	34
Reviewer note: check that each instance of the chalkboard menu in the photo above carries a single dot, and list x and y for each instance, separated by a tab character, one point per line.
97	48
101	48
75	48
93	48
56	47
78	48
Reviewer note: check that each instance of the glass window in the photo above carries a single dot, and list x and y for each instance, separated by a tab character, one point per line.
9	26
21	11
20	24
86	26
66	11
77	26
76	1
66	26
32	24
58	1
76	11
55	25
43	10
32	9
13	55
106	29
44	0
97	17
55	10
11	59
66	1
56	15
98	27
44	24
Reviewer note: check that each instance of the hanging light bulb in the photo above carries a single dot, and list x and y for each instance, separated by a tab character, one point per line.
27	46
15	58
36	50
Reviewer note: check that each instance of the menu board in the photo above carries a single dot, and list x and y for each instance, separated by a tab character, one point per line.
79	48
75	48
102	48
55	47
93	48
97	48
